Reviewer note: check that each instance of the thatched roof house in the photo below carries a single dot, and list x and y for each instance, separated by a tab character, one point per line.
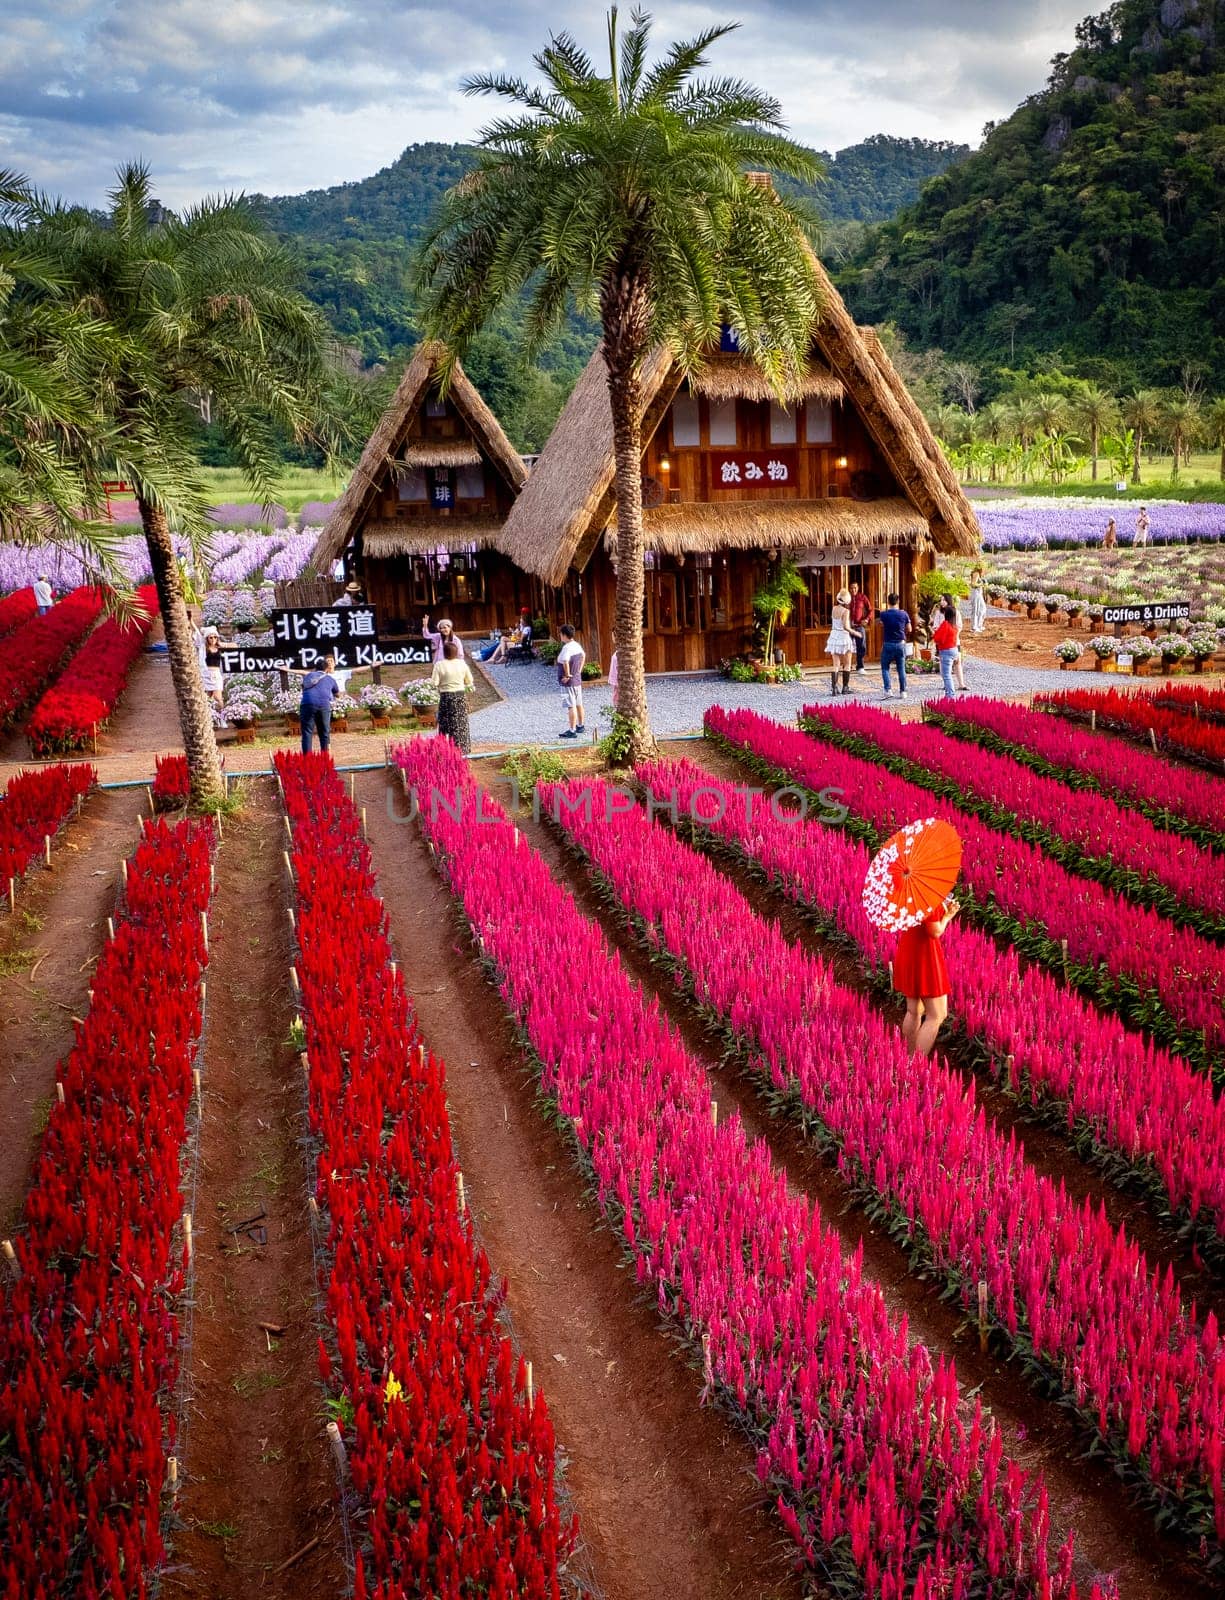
426	502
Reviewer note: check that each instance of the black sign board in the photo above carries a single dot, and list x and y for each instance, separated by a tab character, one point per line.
303	636
1145	613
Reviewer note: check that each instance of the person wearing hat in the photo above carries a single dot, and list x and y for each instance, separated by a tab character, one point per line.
445	631
44	597
208	649
351	595
841	646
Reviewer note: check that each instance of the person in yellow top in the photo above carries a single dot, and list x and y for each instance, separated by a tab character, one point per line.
452	677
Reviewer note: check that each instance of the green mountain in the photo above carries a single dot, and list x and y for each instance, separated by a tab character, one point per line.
1089	228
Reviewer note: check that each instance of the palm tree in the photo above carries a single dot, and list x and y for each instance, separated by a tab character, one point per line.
1051	411
1181	418
202	302
633	195
1142	414
1097	412
1214	428
50	484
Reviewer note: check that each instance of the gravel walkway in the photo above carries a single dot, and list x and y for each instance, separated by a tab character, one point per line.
532	714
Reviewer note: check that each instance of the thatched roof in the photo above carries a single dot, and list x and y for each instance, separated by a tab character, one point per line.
568	500
439	453
384	539
735	378
386	446
783	524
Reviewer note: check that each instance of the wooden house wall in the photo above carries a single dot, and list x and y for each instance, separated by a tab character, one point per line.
402	589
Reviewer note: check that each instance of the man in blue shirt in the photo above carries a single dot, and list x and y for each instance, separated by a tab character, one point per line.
319	689
895	625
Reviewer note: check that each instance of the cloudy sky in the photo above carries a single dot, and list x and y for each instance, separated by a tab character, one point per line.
280	96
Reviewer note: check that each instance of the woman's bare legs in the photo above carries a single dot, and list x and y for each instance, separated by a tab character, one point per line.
935	1009
912	1021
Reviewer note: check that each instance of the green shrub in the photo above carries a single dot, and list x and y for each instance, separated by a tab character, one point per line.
616	745
531	766
549	651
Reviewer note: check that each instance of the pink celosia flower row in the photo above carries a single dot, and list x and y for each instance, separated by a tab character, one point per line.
1171	795
1120	948
454	1462
1119	844
1063	1284
1147	1106
89	1331
882	1468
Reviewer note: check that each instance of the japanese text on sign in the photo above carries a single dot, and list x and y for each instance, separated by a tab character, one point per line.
1157	611
753	469
302	638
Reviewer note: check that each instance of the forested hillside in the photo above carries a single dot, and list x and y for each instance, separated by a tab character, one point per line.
1090	226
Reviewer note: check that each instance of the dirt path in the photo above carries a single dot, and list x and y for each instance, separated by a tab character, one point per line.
47	952
1112	1535
258	1486
664	1490
147	717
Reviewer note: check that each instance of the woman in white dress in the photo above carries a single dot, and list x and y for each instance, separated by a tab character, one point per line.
978	600
841	646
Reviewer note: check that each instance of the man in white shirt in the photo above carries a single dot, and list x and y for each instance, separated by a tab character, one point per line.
570	659
44	599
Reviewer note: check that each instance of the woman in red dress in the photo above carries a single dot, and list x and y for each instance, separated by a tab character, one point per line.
920	973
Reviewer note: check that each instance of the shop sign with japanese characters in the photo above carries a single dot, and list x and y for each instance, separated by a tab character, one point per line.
754	469
303	636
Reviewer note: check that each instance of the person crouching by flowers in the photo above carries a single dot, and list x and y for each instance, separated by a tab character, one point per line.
921	975
452	677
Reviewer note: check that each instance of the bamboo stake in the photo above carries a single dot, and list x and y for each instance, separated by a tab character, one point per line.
1093	721
203	993
714	1113
172	1474
13	895
338	1448
47	848
1152	739
364	834
288	864
152	807
59	1091
204	929
195	1078
187	1240
293	921
288	829
459	1189
314	1208
982	1315
124	868
293	978
394	968
531	1390
10	1255
110	927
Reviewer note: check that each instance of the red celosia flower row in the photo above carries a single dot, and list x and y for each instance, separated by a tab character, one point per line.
1063	1285
88	1333
1091	835
1199	699
84	695
886	1474
171	783
36	803
1153	973
15	609
1137	716
455	1463
1149	1109
32	654
1172	796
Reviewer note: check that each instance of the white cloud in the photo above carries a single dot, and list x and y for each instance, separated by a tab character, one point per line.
282	95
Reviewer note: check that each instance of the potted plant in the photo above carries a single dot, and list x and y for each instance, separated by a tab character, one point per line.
1142	652
380	700
774	601
422	698
342	705
1103	647
1174	648
242	715
1054	603
1074	610
1069	652
1202	641
288	702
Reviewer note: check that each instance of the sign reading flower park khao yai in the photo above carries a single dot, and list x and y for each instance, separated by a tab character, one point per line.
754	469
302	637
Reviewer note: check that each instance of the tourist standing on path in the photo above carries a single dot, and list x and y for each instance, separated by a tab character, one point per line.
895	625
1111	538
452	677
861	615
570	659
319	689
948	602
44	597
922	977
614	678
945	641
978	600
437	640
208	648
841	646
1141	539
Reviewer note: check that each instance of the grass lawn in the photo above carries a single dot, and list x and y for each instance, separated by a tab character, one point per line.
296	487
1200	480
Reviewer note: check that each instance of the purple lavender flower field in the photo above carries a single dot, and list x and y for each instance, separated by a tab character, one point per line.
1071	526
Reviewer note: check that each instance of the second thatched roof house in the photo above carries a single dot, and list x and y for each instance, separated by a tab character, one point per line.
417	523
846	478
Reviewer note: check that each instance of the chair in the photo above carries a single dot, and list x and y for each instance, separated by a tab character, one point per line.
524	651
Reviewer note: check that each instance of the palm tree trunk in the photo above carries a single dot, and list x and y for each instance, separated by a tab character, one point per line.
195	715
1223	458
625	312
1093	450
1135	456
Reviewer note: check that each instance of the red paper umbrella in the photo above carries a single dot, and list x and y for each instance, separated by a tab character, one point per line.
911	874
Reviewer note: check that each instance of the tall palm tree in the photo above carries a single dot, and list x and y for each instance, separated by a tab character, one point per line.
1051	411
632	194
50	480
1181	419
1096	412
1214	428
202	302
1142	414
